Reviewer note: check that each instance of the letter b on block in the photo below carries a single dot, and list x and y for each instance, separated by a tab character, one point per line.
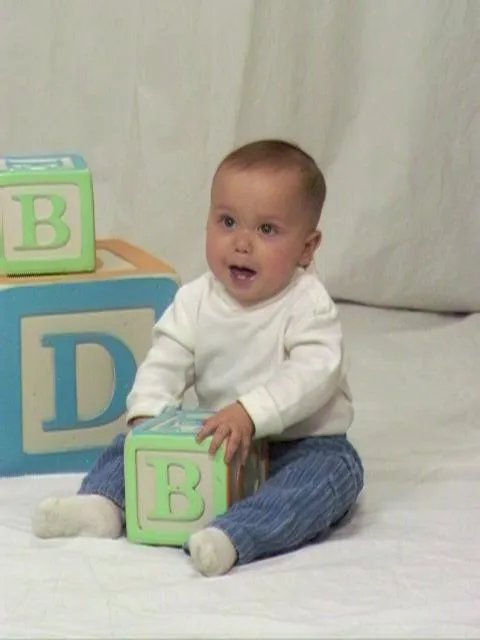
30	221
169	488
46	216
173	487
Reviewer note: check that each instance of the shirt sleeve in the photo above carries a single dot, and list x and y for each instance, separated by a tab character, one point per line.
167	371
308	377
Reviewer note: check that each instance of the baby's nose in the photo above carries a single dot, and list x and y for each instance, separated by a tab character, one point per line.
243	242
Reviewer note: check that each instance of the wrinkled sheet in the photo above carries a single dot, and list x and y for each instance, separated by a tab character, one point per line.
154	92
407	564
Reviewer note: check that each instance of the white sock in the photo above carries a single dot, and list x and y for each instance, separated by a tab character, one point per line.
212	552
83	515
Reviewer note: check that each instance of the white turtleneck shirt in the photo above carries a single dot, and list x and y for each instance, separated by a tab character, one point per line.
283	359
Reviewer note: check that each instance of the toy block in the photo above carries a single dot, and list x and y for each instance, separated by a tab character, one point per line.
173	487
70	346
46	215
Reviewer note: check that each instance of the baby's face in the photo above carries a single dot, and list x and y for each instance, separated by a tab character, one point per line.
257	232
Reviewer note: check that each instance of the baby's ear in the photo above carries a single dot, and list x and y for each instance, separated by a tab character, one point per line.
312	243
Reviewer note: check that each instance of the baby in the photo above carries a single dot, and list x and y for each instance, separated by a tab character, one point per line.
259	339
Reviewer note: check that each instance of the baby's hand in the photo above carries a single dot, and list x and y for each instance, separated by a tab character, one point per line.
232	423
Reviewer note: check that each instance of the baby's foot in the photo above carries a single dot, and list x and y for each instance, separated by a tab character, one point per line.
212	552
81	515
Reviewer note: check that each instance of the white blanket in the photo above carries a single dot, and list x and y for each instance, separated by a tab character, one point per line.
407	565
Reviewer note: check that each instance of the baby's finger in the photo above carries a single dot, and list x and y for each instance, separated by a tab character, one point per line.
233	444
209	427
245	450
221	432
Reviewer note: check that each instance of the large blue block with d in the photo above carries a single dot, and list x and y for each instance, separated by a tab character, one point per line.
69	349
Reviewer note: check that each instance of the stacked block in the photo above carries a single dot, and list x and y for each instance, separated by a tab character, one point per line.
72	331
47	215
173	487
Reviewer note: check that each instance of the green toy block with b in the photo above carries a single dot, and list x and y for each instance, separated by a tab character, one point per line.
173	487
46	215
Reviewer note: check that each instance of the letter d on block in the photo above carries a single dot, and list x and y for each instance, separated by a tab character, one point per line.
165	489
64	347
30	221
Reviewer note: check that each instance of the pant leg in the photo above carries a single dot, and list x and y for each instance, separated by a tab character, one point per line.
106	477
312	485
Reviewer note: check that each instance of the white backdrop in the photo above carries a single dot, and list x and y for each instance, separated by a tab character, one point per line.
154	92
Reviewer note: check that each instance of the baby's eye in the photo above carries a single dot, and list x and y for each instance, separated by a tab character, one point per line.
267	229
227	221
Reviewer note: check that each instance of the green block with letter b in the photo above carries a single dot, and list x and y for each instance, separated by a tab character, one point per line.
173	487
47	223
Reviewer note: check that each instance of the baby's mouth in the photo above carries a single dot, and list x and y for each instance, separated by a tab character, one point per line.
242	273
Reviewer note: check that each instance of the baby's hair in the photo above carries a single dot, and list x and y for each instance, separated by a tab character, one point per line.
283	155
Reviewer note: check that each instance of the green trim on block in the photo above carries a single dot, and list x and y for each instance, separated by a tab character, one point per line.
85	261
